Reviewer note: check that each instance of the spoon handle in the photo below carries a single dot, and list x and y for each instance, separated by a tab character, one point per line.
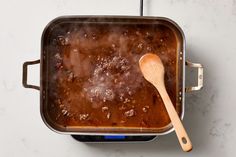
176	122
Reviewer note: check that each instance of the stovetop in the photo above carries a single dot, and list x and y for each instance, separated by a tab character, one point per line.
110	138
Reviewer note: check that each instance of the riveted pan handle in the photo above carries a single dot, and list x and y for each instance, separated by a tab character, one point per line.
200	76
25	71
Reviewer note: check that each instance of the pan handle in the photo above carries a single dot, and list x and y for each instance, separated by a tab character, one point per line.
199	79
25	71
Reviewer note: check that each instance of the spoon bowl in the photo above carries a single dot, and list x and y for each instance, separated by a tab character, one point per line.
152	69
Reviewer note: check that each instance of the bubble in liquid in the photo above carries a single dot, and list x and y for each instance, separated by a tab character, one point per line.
62	40
137	33
94	36
113	46
115	80
140	46
75	50
71	77
122	107
108	115
83	116
125	33
64	112
109	94
149	48
121	96
145	109
129	113
104	99
58	57
149	36
59	65
126	100
104	108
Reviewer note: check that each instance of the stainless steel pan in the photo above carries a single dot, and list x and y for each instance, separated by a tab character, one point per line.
181	65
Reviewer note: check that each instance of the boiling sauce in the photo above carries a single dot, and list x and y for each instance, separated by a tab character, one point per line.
95	78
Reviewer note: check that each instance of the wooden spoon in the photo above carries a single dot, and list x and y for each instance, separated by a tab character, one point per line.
153	71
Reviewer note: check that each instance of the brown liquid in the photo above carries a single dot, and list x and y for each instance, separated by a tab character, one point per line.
95	79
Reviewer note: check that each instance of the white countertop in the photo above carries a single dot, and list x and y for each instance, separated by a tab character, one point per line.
210	30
